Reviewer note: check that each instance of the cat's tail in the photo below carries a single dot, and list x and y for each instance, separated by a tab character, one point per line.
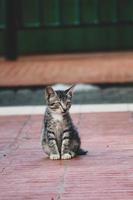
82	152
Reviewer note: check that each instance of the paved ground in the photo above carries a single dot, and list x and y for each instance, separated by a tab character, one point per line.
105	173
113	67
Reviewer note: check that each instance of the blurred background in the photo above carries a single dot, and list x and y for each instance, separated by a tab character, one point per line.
61	42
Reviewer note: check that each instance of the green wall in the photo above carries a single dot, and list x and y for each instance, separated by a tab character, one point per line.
64	26
2	26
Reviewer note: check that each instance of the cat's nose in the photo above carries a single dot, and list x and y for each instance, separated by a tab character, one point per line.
64	110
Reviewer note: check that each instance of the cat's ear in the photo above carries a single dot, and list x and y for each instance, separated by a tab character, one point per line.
49	92
70	90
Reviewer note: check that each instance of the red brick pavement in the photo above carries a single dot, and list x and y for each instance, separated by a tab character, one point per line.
74	68
106	173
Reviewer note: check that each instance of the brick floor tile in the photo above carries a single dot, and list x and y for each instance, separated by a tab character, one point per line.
105	173
89	68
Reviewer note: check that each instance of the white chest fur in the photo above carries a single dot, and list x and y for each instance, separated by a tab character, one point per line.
58	124
57	117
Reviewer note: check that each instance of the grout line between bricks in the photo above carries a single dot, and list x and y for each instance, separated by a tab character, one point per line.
13	145
61	188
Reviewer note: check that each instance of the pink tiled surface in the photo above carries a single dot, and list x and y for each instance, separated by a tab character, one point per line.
106	173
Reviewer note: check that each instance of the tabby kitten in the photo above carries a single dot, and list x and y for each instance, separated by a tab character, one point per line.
60	139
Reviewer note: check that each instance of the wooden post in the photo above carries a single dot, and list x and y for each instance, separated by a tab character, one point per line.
11	30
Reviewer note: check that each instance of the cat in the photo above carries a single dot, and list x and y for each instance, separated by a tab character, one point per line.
60	138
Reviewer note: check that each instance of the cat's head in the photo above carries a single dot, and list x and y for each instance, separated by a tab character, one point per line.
59	101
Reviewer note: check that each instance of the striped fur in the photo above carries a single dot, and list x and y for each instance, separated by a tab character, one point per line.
60	139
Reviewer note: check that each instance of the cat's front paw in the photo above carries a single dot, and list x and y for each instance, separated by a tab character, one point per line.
54	156
66	156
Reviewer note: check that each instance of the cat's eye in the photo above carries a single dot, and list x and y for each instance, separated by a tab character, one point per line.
57	103
52	104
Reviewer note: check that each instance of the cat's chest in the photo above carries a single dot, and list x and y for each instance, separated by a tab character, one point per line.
57	118
58	122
